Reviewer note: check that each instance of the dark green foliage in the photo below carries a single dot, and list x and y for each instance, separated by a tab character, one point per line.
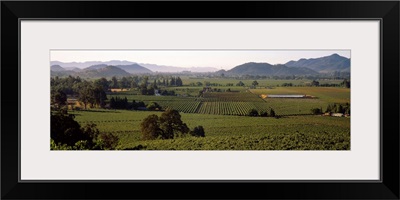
64	129
106	141
168	126
178	81
172	82
134	84
198	131
338	108
328	109
272	113
67	134
137	105
315	83
99	96
255	83
264	114
316	111
171	124
119	103
346	83
65	85
287	84
253	113
150	128
103	83
153	106
114	82
167	92
240	83
58	99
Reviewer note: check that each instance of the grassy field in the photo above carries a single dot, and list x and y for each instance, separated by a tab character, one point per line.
326	94
228	132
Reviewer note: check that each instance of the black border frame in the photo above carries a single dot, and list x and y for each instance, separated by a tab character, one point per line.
386	11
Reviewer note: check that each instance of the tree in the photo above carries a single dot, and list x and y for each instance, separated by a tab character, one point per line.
172	83
112	103
106	141
99	96
103	83
124	83
315	83
58	98
171	124
64	129
150	128
134	84
253	112
178	81
240	83
114	82
167	126
86	94
328	109
339	109
272	113
264	114
67	134
155	84
153	106
316	111
198	131
150	90
255	84
346	83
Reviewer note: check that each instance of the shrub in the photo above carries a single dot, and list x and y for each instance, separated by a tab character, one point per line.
253	113
316	111
198	131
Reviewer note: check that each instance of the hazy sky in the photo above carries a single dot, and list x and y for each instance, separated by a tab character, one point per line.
220	59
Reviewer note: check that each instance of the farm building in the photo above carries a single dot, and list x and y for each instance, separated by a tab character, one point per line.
337	115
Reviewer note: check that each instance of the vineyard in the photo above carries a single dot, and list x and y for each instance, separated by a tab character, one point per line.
228	132
218	103
240	102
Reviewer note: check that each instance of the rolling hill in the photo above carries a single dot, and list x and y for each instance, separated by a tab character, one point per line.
56	68
325	64
107	71
134	69
253	68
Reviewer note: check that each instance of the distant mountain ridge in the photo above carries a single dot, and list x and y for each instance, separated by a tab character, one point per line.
324	64
100	70
151	67
57	68
253	68
312	66
82	65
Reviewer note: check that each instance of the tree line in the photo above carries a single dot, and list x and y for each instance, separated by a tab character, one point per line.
94	92
333	108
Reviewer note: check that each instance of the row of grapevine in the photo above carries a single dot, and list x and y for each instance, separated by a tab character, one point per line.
231	97
226	108
182	106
